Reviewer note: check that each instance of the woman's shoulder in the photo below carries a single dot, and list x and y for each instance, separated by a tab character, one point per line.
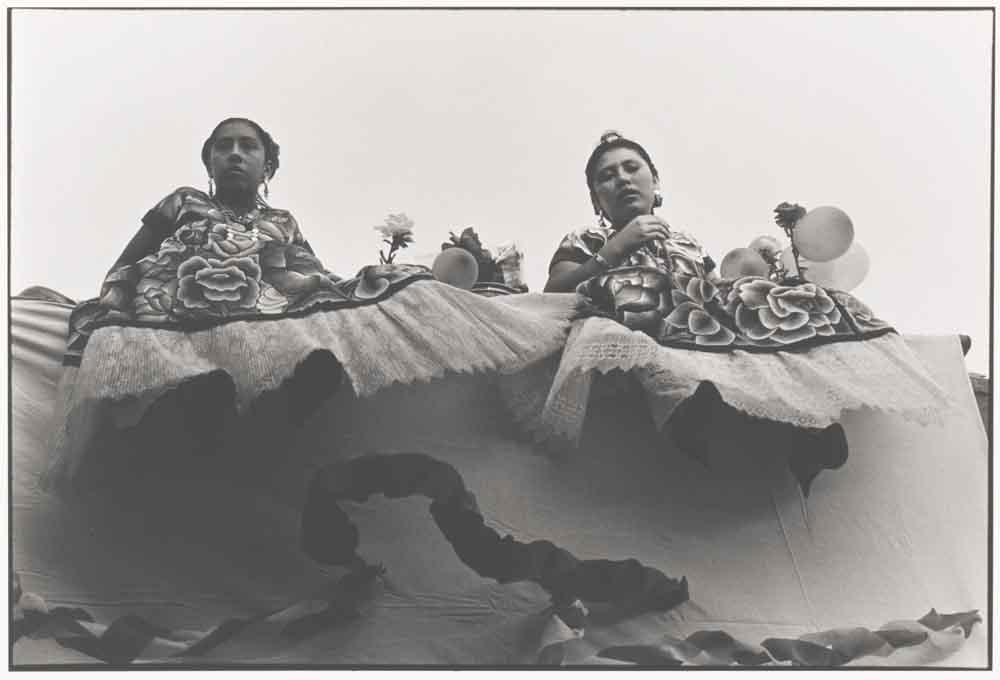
281	214
579	245
586	235
585	238
170	207
282	219
683	241
186	192
683	236
170	203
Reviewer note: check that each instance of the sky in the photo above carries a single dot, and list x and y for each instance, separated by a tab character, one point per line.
486	118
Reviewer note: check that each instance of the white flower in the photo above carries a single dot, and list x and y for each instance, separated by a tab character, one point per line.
397	226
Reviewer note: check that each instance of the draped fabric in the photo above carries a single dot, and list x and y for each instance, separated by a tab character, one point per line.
187	558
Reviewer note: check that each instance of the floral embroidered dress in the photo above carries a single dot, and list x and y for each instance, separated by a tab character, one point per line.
248	298
211	267
797	353
669	291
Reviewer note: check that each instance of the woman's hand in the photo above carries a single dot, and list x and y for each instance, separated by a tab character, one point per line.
635	234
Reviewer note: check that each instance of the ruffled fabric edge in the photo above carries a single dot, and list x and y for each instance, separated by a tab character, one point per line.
423	332
135	642
926	641
808	388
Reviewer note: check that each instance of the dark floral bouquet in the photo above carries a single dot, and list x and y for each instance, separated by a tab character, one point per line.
489	271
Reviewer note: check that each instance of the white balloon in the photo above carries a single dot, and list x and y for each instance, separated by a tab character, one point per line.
811	271
820	273
851	268
456	266
823	234
844	273
743	262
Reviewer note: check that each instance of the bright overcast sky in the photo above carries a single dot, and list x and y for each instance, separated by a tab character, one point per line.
485	119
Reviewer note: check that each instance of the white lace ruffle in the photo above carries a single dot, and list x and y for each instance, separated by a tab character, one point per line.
808	388
420	333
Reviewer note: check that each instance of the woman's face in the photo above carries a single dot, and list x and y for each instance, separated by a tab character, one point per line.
237	159
623	185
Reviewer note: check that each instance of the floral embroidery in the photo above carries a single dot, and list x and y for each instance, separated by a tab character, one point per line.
231	240
665	294
209	267
694	312
786	314
210	270
680	253
222	286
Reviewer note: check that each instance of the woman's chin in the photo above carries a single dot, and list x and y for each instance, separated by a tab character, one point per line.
628	214
235	187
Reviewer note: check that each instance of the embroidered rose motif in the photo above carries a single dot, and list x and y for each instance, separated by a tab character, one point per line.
862	314
156	302
228	240
159	267
692	299
637	297
784	314
193	234
270	300
218	285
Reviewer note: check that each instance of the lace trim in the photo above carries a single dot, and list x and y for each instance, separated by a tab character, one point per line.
809	388
421	333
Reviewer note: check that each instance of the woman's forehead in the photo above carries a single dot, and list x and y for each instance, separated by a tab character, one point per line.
236	129
618	155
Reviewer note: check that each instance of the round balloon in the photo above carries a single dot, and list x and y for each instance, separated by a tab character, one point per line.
820	273
823	234
767	246
743	262
850	269
814	272
456	266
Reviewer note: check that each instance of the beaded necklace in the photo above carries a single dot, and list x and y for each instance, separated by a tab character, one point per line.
246	219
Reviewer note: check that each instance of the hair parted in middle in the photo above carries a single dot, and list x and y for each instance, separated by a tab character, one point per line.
271	148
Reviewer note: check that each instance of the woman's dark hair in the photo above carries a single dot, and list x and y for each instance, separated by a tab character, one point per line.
271	147
613	140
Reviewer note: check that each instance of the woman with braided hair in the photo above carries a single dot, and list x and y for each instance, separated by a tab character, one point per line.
232	219
752	350
218	299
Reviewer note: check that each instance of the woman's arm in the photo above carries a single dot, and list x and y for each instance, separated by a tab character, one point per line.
564	276
119	284
145	241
